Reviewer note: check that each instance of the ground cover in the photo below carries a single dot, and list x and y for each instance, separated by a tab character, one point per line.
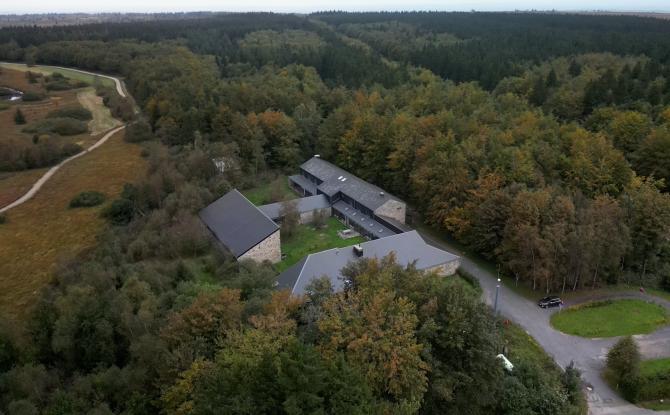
610	318
44	231
48	70
308	240
271	191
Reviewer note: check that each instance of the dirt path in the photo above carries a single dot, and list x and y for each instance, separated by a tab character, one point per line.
117	81
38	185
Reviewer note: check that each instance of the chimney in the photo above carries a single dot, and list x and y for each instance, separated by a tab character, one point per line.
358	250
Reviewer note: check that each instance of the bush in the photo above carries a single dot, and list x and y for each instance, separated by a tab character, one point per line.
78	113
623	368
32	96
138	131
120	212
19	118
3	218
87	199
70	149
62	126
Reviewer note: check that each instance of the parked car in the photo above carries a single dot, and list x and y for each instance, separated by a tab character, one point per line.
551	301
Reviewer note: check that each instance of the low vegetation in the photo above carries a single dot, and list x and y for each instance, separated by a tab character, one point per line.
77	112
307	240
270	191
611	318
88	198
64	126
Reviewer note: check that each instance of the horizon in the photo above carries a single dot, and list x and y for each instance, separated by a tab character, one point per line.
35	7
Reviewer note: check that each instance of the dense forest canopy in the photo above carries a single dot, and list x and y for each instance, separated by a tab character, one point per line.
540	141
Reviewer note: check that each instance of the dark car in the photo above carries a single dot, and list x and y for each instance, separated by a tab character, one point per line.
551	301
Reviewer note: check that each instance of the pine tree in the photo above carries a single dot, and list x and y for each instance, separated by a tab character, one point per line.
552	79
539	93
575	69
19	118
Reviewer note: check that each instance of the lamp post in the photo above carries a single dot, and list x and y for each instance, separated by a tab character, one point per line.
495	304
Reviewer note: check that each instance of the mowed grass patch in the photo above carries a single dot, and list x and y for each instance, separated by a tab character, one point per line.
48	70
308	240
655	384
102	117
655	367
610	318
44	231
272	191
13	185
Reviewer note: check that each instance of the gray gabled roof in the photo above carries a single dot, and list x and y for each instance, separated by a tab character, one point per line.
408	248
356	188
305	204
237	222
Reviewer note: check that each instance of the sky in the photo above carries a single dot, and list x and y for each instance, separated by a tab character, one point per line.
305	6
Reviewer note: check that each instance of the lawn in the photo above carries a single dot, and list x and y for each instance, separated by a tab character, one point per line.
48	70
271	191
44	231
308	240
610	318
655	367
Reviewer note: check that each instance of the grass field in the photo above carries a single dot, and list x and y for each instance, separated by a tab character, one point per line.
44	231
48	70
308	240
611	318
102	117
14	184
655	367
272	191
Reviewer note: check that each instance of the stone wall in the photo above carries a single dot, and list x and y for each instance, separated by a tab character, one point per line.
393	209
268	250
446	269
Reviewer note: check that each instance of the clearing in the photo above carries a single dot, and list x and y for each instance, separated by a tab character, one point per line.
274	190
610	318
308	240
44	231
102	117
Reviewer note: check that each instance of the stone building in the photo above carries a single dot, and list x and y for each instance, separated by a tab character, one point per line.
243	229
408	248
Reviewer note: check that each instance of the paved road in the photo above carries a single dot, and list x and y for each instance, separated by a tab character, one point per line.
588	354
38	184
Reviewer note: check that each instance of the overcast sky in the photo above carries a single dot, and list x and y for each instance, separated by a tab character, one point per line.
304	6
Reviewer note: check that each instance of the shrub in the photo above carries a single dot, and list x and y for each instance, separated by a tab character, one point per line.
32	96
138	131
70	149
120	212
623	367
58	86
78	113
62	126
87	199
3	218
19	118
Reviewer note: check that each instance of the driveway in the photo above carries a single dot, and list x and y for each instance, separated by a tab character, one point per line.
587	354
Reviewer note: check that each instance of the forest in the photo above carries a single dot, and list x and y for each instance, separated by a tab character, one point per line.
541	142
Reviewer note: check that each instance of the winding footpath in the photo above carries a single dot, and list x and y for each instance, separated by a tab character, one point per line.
588	355
38	184
117	81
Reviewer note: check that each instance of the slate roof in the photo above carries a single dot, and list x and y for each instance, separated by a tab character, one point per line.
408	247
305	204
358	189
237	223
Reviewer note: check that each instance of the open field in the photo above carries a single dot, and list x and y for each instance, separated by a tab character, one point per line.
44	231
102	117
610	318
14	184
271	191
48	70
308	240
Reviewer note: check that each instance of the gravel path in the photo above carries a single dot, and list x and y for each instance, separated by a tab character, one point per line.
587	354
38	184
